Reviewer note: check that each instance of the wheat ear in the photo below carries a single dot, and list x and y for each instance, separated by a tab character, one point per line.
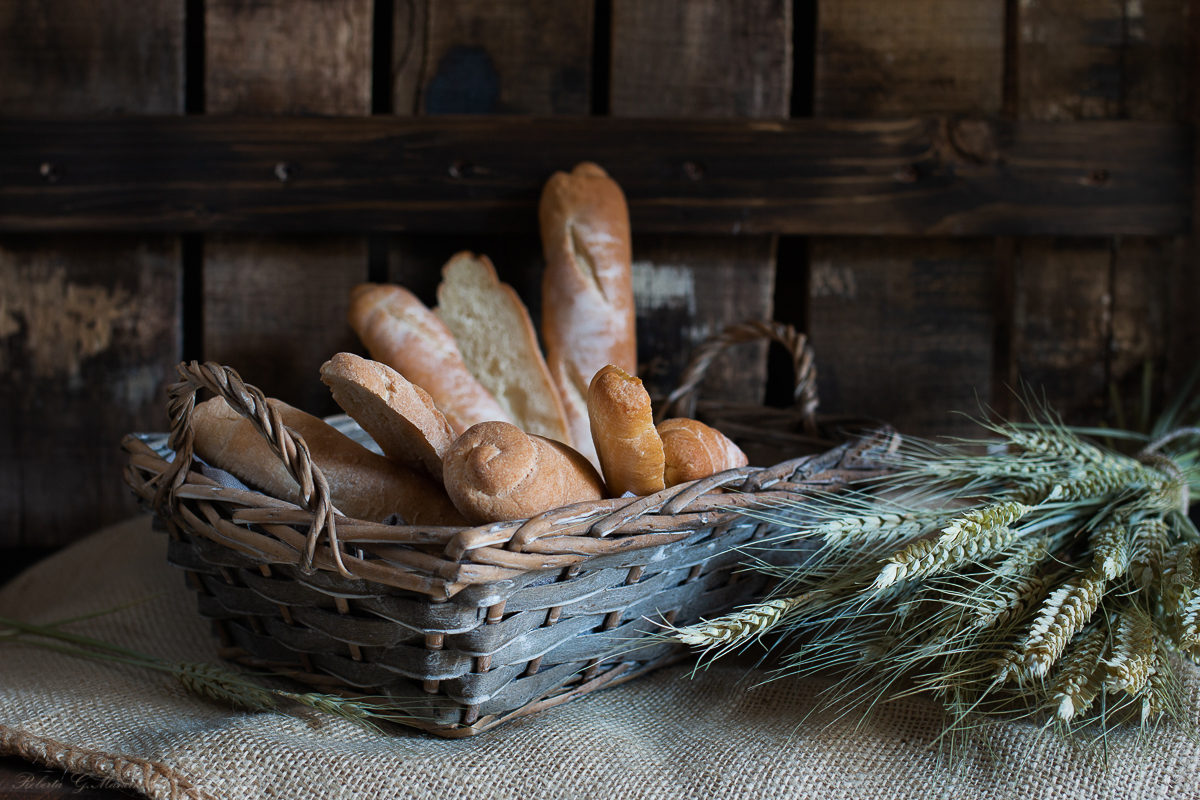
977	532
740	626
1062	615
1079	679
1150	539
1133	653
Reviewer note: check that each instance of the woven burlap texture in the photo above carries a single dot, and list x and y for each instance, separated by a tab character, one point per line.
666	735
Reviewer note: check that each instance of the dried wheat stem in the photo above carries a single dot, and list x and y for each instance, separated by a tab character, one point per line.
884	525
206	680
1062	615
977	532
1079	679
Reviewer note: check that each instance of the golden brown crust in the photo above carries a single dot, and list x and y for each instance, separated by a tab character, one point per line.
587	290
622	424
693	450
363	485
399	331
496	471
400	416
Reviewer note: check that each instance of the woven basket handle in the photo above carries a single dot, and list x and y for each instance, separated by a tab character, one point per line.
682	401
288	445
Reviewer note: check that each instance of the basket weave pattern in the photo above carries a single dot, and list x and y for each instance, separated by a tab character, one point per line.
477	625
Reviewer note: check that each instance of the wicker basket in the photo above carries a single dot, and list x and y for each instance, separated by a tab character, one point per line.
475	626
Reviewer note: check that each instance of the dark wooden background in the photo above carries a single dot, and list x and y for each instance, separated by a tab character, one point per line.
925	161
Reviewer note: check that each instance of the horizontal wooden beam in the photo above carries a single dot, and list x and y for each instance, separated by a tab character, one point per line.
483	174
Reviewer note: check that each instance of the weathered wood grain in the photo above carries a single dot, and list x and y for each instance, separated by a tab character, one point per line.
493	57
687	288
89	333
274	307
903	328
293	57
715	58
91	57
275	310
1140	322
1098	59
1062	316
89	325
923	176
880	59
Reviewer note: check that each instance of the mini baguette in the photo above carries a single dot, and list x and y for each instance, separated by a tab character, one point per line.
363	485
498	344
587	289
400	416
398	330
496	471
693	450
630	450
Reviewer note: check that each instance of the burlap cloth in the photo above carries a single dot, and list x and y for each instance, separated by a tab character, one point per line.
663	736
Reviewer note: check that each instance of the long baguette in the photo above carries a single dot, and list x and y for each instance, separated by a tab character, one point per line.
398	330
363	485
587	290
496	471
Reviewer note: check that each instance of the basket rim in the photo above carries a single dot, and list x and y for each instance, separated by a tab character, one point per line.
441	561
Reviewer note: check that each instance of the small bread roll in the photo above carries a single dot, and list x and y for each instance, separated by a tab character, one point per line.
630	450
363	485
693	451
398	330
496	471
400	416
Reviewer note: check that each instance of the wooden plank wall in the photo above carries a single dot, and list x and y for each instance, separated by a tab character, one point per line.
903	328
1088	316
1067	320
274	307
89	325
688	288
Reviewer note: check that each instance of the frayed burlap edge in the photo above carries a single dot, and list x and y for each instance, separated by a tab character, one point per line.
149	777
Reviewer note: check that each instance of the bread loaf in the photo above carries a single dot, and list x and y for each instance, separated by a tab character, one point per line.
398	330
693	450
398	415
587	289
363	485
495	471
498	344
622	423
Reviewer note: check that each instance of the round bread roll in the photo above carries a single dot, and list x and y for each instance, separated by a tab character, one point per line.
693	450
495	471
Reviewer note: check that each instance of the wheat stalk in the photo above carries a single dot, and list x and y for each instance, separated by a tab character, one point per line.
1150	539
740	626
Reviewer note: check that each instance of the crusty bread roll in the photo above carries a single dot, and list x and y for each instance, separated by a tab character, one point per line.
587	290
496	471
693	450
398	415
630	450
498	344
398	330
363	485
